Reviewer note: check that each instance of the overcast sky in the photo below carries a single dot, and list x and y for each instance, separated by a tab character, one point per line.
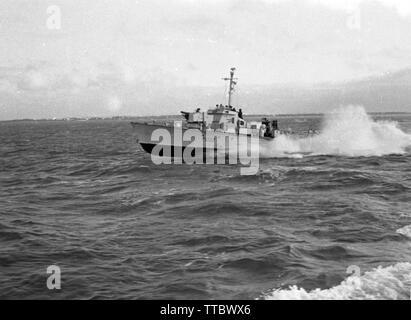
121	57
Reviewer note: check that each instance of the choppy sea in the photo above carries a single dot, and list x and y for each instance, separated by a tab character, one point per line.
83	195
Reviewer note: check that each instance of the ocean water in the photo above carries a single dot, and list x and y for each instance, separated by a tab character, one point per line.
82	195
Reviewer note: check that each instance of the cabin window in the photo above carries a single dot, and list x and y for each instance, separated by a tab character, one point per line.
232	120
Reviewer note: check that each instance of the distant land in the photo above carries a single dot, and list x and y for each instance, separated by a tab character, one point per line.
178	117
385	93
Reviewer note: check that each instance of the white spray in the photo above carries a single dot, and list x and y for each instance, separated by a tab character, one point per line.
347	131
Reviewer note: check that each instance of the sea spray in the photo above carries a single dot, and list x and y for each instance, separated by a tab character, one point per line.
406	231
393	282
347	131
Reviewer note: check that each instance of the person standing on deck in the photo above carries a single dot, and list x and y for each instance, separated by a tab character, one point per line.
240	114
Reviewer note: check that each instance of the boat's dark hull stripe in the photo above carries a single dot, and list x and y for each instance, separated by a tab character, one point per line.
148	147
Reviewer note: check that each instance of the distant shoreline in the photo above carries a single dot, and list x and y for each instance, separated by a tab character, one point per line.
131	118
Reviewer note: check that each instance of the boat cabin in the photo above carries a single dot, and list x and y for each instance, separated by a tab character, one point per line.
227	119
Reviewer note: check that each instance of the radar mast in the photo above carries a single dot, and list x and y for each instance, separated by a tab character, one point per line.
233	82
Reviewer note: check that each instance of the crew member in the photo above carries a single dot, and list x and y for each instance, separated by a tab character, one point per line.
240	114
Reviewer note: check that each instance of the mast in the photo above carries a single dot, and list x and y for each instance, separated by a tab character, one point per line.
233	82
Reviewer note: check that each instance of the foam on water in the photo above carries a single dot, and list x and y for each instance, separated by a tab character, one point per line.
390	283
347	131
406	231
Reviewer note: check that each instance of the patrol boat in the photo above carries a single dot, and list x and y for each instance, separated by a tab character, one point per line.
214	129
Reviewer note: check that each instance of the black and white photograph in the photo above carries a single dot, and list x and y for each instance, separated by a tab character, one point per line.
205	150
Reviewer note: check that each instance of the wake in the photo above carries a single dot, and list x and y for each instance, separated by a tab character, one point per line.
347	131
390	283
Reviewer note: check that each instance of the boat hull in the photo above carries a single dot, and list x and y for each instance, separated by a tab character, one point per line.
173	150
218	142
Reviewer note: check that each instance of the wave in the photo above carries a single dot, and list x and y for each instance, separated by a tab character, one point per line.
390	283
347	131
406	231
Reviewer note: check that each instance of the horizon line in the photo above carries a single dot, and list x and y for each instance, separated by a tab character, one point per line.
130	117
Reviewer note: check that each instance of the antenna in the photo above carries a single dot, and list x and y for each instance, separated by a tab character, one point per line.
233	82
